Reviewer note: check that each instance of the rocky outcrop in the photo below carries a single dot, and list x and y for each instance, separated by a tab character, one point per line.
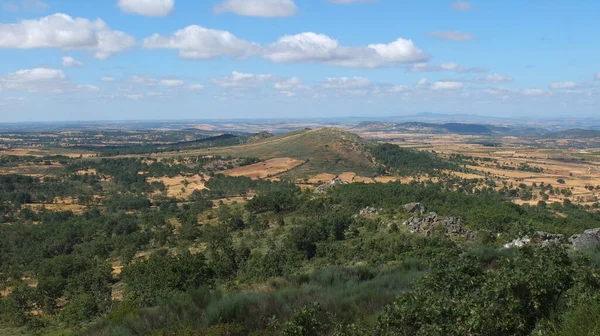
426	225
334	182
588	239
415	207
369	211
541	238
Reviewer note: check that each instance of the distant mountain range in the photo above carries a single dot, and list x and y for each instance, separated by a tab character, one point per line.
448	128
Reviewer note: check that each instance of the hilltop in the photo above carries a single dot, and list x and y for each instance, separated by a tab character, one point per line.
330	150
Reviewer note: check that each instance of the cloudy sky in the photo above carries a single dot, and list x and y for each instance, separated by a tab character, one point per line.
208	59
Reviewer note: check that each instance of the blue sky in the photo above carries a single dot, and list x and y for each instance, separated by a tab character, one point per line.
184	59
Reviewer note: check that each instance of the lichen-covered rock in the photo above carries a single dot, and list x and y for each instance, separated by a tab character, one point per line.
425	225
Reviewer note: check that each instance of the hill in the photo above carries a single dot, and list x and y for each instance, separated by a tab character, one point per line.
328	150
447	128
576	133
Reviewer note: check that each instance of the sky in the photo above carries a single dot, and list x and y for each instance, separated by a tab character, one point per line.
222	59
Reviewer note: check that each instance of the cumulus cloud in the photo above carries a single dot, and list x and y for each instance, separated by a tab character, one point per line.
147	7
261	8
461	6
493	79
533	92
422	83
424	67
570	85
452	35
196	87
70	62
170	82
598	76
196	42
289	86
107	79
145	80
239	80
61	31
346	83
449	66
447	85
563	85
34	80
312	47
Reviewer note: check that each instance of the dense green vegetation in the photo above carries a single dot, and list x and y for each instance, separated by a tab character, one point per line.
286	261
409	162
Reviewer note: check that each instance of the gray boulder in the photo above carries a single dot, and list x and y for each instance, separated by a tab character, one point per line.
414	207
588	239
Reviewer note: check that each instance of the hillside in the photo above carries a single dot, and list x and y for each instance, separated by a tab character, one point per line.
328	150
576	133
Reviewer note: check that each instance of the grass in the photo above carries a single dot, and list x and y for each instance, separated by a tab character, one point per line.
329	150
347	294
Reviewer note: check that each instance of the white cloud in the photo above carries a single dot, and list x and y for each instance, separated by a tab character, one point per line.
452	35
424	67
449	66
288	84
346	83
393	89
421	83
570	85
598	76
239	80
493	79
533	92
45	80
447	85
34	80
145	80
107	79
171	82
70	62
196	42
261	8
60	31
196	87
312	47
147	7
461	6
88	88
563	85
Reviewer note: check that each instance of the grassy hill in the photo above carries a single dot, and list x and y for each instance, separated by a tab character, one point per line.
328	150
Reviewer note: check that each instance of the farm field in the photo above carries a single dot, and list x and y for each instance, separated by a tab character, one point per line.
577	169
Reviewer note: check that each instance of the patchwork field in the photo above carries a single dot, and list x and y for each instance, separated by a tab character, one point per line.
265	169
574	169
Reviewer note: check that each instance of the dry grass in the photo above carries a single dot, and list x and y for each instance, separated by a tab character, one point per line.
265	169
181	186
